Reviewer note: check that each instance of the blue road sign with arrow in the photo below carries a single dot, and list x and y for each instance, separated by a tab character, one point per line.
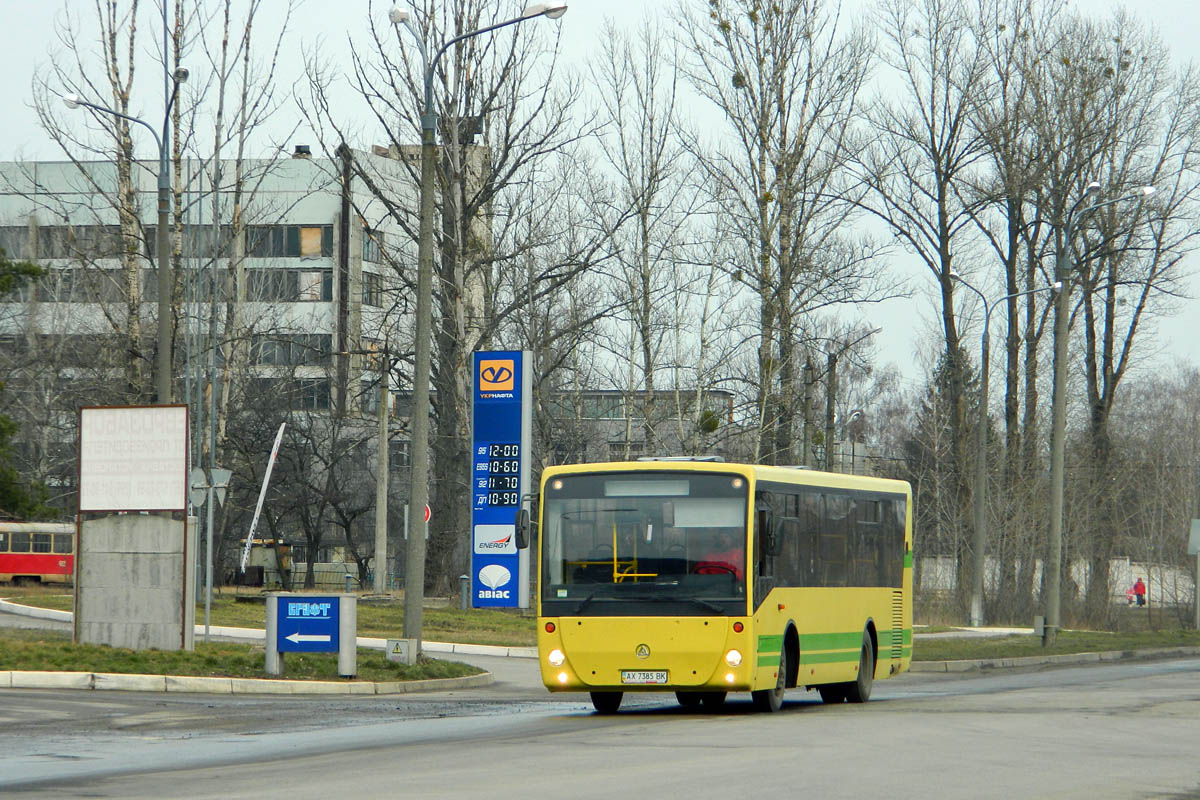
307	625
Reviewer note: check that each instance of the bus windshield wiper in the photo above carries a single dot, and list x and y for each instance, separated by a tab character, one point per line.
585	602
699	601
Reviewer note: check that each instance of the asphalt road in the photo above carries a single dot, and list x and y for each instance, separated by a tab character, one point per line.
1123	730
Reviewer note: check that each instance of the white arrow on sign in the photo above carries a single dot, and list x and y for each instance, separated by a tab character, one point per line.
298	637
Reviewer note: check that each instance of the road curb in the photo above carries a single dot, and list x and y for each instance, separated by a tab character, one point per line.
973	665
181	684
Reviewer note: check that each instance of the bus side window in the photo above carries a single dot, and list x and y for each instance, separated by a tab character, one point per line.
3	542
62	542
20	543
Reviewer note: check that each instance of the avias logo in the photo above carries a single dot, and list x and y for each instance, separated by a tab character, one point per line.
494	576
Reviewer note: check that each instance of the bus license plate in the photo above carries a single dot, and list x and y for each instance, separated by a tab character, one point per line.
643	676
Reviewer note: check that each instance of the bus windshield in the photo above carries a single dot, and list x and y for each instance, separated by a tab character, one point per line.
644	543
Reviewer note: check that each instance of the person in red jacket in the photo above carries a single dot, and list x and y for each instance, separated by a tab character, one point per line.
725	555
1139	592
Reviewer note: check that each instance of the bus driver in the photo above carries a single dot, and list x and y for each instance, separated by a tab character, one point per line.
724	555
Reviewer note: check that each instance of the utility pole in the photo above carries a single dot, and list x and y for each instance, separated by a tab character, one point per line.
381	477
806	446
830	401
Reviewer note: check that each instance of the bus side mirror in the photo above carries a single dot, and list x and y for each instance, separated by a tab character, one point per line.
522	522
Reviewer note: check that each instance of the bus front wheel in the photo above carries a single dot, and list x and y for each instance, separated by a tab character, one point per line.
772	699
606	702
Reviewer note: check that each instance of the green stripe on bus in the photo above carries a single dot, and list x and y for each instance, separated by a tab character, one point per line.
766	660
889	638
831	641
829	658
908	560
770	644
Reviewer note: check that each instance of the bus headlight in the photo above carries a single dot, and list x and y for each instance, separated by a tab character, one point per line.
556	658
733	658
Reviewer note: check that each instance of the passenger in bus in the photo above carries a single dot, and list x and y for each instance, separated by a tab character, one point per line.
724	555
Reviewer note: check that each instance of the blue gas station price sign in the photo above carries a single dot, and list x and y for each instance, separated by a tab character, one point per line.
308	625
502	480
501	424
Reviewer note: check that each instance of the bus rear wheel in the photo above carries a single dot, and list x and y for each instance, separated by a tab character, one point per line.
606	702
772	699
859	691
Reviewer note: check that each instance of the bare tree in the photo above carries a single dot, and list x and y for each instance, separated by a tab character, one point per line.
787	78
498	87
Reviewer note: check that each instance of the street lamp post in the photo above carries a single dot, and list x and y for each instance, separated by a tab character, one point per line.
163	363
414	572
980	500
1058	434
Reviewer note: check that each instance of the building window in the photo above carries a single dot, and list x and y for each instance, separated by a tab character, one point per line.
372	246
289	241
289	285
602	407
312	394
372	286
625	451
398	454
368	397
291	351
14	241
82	285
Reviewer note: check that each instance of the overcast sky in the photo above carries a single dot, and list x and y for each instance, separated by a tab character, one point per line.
26	41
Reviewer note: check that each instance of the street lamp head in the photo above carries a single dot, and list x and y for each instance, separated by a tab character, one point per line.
1056	286
71	100
551	10
1092	188
181	74
1147	191
397	15
954	276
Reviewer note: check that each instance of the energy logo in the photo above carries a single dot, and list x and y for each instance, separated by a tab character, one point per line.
495	539
496	375
493	576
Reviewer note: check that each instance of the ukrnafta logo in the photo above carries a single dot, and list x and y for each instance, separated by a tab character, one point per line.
496	375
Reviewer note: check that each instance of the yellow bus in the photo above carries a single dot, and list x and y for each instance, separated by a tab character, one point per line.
701	578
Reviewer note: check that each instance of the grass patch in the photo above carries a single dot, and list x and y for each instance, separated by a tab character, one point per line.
383	619
53	651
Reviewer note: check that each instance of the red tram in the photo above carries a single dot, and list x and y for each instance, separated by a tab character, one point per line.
37	552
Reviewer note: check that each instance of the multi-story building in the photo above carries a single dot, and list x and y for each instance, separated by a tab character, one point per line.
300	280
